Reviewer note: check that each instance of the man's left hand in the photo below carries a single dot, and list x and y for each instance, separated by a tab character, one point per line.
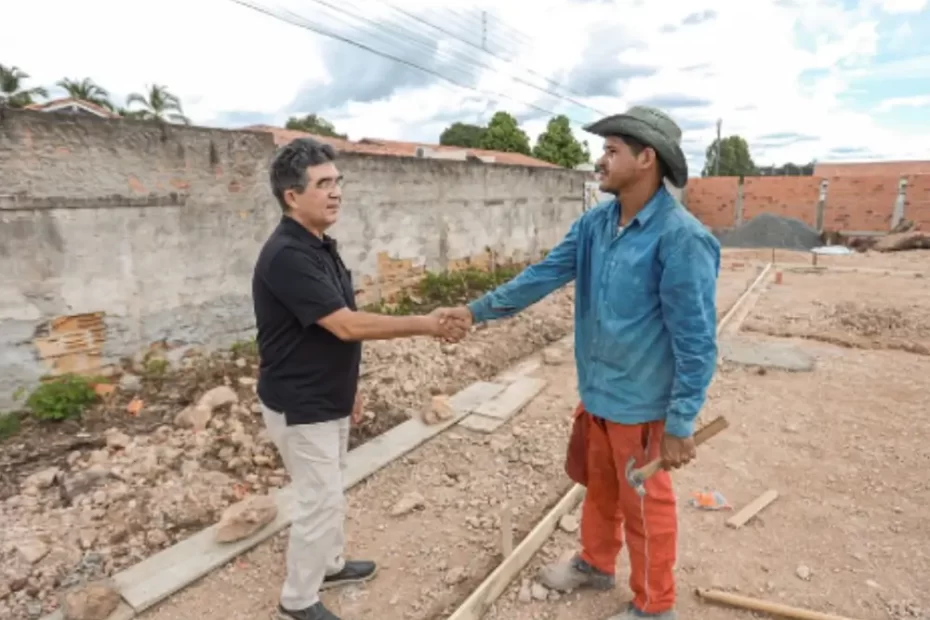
677	451
357	410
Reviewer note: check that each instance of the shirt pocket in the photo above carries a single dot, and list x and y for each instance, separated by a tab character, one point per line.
631	288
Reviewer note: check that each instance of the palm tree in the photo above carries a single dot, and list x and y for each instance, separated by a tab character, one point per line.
87	90
158	104
12	92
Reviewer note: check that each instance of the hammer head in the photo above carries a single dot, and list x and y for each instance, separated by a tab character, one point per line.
634	477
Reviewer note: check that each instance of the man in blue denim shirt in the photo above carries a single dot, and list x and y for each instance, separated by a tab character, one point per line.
645	273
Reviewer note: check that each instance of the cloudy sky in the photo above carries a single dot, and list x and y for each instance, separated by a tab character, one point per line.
799	79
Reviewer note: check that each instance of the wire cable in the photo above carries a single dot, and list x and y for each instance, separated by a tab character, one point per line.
302	23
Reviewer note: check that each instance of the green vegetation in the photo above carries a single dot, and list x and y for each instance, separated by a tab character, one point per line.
451	288
9	425
156	366
62	398
245	348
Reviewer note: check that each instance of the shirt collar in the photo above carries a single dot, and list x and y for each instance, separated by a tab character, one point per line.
295	229
654	205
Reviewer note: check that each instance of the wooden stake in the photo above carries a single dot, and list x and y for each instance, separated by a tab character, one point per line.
476	605
752	509
507	529
754	604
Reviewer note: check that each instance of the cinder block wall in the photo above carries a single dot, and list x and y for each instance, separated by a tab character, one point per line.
118	234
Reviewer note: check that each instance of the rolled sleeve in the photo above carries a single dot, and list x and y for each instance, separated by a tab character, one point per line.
688	290
300	282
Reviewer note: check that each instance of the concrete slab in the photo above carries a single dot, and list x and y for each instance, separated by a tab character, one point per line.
161	575
777	356
480	423
470	398
514	397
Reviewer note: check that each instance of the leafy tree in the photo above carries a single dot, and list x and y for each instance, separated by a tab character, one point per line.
735	159
12	91
558	145
86	90
789	169
464	135
317	125
157	104
504	134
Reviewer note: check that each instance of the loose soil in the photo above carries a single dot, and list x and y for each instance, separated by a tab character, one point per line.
431	558
857	310
845	446
96	495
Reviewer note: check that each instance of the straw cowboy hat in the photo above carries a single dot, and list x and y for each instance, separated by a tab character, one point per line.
653	128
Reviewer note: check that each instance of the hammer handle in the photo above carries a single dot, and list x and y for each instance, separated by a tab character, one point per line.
707	431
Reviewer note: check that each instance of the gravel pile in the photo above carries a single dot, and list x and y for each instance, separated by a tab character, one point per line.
771	231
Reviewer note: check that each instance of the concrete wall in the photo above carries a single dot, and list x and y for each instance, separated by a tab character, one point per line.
118	234
869	203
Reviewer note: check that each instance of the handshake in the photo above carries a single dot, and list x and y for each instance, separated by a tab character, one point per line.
450	324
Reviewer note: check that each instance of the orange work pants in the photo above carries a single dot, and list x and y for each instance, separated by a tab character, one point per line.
612	509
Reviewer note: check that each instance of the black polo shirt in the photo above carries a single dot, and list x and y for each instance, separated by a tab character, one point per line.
305	372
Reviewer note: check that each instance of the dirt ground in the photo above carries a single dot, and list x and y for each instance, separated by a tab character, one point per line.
915	260
844	445
849	309
453	543
86	498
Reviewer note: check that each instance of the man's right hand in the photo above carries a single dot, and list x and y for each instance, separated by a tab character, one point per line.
451	324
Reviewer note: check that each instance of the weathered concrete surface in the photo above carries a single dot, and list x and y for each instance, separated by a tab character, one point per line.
118	234
778	356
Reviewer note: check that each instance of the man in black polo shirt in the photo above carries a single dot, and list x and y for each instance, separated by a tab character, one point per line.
309	340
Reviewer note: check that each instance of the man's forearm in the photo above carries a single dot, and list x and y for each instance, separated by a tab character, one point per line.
357	326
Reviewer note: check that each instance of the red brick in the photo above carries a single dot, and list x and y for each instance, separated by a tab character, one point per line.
860	203
785	196
713	200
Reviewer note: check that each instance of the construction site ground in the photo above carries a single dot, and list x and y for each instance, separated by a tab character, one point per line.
844	444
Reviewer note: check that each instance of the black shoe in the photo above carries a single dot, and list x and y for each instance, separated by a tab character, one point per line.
355	571
314	612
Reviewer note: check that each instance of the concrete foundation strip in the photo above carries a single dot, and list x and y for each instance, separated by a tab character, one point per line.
478	603
154	579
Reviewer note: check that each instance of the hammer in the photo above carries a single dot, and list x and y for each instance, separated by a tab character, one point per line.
637	477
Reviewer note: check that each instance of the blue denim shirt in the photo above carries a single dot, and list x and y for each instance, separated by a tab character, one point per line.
645	310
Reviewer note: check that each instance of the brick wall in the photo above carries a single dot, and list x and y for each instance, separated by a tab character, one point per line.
865	203
713	200
118	234
786	196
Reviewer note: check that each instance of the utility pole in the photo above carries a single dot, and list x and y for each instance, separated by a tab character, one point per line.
484	30
717	157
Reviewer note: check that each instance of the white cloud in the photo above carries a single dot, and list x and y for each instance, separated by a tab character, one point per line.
916	101
222	58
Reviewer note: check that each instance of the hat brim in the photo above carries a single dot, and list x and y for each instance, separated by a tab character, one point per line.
668	151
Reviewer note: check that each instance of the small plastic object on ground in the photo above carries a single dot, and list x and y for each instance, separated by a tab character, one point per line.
710	500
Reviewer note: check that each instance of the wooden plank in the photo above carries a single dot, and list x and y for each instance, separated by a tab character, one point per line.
476	605
751	509
765	607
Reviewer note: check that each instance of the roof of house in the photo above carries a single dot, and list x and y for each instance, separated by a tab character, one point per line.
64	102
872	168
395	148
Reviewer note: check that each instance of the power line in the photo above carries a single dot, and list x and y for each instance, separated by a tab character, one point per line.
407	32
302	23
480	48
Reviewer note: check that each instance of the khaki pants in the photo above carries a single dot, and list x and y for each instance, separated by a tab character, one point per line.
315	457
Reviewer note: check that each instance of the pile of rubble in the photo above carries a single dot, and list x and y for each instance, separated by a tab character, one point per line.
79	517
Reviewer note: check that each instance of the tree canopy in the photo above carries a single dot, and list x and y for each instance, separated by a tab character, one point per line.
465	135
317	125
735	159
504	134
558	145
